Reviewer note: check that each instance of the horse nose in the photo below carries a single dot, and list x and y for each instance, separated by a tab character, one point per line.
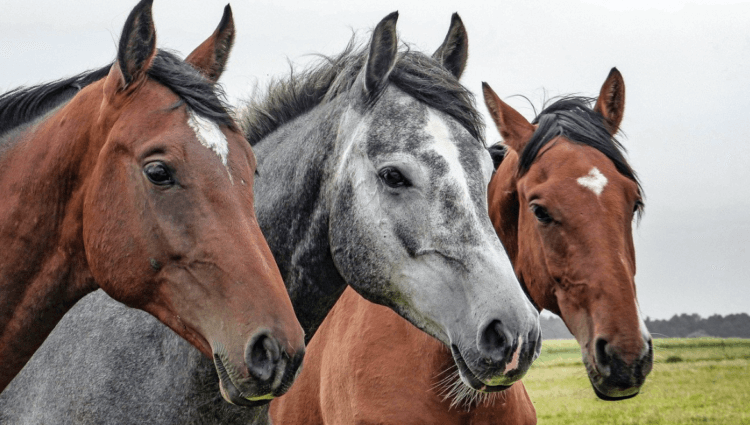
268	362
495	342
262	356
619	374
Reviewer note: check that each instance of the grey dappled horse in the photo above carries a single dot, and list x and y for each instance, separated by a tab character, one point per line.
373	173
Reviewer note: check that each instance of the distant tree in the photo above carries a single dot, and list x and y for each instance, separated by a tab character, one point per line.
680	326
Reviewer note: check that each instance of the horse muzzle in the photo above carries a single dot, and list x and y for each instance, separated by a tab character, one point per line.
270	369
612	377
501	359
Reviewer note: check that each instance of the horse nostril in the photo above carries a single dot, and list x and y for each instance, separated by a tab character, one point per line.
602	358
262	355
493	342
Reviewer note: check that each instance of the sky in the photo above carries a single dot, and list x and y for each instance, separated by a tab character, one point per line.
686	66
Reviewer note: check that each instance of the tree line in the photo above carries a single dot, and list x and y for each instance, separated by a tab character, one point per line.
679	326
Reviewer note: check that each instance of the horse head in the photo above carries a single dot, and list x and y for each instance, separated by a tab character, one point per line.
168	219
563	200
409	197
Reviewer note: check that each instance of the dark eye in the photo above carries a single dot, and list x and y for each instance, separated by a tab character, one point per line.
393	178
541	214
638	205
158	173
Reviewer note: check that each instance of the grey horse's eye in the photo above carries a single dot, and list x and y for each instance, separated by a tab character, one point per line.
392	177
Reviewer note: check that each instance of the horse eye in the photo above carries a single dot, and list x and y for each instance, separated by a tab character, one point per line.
158	173
541	214
393	178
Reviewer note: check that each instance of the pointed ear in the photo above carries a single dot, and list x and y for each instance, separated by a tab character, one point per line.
137	46
611	101
514	128
454	51
212	55
382	57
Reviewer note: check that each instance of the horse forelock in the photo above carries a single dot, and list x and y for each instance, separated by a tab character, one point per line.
202	96
415	73
573	118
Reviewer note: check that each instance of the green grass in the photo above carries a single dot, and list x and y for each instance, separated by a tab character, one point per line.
701	380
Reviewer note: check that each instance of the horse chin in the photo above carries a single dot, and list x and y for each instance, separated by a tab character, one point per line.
231	393
606	397
470	379
601	390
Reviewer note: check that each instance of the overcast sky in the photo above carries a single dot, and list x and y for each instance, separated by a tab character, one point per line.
686	67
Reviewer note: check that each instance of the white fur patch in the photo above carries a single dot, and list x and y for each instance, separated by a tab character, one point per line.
210	136
513	364
445	147
594	180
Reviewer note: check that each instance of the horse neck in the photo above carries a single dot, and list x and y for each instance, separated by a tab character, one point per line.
295	164
43	271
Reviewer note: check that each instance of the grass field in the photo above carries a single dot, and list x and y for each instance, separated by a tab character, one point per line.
701	380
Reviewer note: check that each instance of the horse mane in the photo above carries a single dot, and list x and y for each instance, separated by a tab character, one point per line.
574	118
415	73
24	104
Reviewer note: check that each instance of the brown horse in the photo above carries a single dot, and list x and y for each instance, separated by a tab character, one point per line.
135	179
562	201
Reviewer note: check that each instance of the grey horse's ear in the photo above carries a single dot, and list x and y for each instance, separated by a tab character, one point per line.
382	56
454	51
212	55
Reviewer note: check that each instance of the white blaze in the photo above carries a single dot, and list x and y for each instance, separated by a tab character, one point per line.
594	181
210	136
445	147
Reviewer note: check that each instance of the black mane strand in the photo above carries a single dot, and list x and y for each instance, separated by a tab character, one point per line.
24	104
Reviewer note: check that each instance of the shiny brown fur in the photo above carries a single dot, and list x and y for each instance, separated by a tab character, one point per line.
79	212
367	365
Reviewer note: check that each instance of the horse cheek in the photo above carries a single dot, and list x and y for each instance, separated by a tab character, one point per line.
109	228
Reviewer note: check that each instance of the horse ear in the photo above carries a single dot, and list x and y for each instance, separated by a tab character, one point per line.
212	55
137	46
454	51
611	101
514	128
382	57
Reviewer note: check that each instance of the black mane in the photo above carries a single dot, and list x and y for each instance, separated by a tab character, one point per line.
24	104
417	74
573	118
